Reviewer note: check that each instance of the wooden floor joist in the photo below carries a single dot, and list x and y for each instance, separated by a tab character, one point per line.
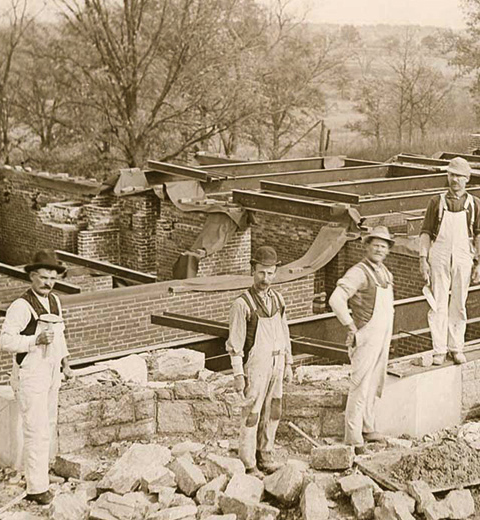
107	268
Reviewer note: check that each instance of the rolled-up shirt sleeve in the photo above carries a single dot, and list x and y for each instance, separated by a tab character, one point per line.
353	280
237	324
17	318
430	221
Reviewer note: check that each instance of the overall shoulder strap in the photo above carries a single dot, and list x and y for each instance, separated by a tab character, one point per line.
369	272
36	306
280	302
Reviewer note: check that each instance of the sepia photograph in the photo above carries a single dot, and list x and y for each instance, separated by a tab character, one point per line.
240	259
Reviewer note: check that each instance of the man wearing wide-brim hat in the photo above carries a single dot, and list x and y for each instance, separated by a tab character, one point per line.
33	331
449	253
261	356
367	290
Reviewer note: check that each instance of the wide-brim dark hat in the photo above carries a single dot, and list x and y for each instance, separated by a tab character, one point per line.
265	255
45	259
380	232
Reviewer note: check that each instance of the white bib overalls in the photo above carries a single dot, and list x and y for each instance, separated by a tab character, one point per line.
451	261
264	370
369	360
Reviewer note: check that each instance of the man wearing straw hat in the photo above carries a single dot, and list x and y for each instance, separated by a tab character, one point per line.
449	250
261	356
367	288
33	332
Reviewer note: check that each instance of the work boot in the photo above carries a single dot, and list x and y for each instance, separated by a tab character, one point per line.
373	437
267	463
40	498
255	472
439	359
458	358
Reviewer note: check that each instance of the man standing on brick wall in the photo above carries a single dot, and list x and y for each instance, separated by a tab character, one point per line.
367	288
261	356
39	351
449	248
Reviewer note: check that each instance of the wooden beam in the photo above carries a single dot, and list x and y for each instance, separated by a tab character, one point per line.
306	191
105	267
448	156
396	203
271	203
16	272
183	171
427	161
240	169
300	345
389	185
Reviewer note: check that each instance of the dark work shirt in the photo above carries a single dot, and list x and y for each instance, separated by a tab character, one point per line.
454	204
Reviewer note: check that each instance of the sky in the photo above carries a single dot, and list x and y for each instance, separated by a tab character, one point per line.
441	13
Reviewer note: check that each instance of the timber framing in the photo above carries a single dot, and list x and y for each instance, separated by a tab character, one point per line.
107	268
184	171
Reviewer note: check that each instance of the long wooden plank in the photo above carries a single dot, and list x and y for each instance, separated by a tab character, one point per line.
306	191
183	171
240	169
448	156
427	161
388	185
311	210
105	267
405	202
16	272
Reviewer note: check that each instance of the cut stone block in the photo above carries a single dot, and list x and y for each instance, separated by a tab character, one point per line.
75	466
395	506
165	496
131	369
209	493
285	484
175	513
185	447
246	510
216	465
460	504
69	506
363	503
126	474
175	417
206	511
189	476
178	364
313	504
245	487
156	477
332	457
420	491
355	482
111	506
87	489
436	511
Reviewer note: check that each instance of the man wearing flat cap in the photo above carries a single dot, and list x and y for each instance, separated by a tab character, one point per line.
449	254
367	290
261	356
33	331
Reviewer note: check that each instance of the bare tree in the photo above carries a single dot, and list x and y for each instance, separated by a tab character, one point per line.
16	23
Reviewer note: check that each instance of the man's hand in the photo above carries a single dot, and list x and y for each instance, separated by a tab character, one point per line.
476	274
288	376
239	384
425	269
352	330
45	337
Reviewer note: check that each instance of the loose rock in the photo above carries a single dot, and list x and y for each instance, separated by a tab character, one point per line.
420	491
285	484
178	364
69	506
355	482
209	493
111	506
216	465
175	513
246	510
75	466
189	476
460	504
245	487
363	503
332	457
313	504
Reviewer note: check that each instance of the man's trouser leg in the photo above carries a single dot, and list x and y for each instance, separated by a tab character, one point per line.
33	399
438	320
457	312
271	411
360	382
376	382
52	419
258	383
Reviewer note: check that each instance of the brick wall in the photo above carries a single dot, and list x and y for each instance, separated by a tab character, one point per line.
176	233
116	320
100	244
137	228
